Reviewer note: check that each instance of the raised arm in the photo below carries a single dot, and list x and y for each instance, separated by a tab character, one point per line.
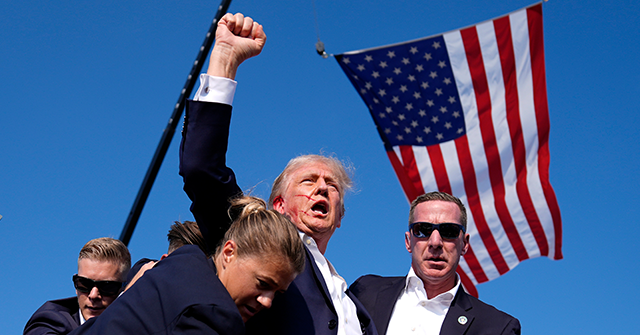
208	182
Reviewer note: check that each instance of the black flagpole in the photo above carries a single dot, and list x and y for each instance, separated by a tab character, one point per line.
167	135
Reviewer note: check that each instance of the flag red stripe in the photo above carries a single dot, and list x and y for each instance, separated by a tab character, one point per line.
472	261
483	102
411	170
508	65
467	283
534	15
473	199
407	185
439	169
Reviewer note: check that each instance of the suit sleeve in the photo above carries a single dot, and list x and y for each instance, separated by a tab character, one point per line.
208	182
48	323
512	328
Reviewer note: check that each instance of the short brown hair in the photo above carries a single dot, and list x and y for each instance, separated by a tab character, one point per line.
442	197
185	233
337	167
107	249
259	231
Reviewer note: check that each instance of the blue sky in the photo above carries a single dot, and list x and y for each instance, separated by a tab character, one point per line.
88	87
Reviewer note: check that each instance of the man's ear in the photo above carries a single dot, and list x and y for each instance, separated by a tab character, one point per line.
278	204
465	247
407	241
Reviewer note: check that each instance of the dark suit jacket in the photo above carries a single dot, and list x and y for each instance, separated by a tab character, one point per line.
208	182
135	268
306	307
379	295
180	295
54	317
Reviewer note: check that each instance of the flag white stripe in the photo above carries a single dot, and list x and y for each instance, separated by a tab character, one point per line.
423	162
461	72
493	69
520	30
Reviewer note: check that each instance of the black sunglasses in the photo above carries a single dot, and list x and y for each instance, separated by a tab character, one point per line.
447	230
107	288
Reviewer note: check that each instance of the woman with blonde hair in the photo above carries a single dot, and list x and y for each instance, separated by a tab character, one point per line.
188	293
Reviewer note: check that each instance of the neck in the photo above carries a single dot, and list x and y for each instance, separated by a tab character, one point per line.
322	245
322	240
217	262
437	287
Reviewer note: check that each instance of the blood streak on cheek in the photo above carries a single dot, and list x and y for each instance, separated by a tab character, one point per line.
304	196
305	213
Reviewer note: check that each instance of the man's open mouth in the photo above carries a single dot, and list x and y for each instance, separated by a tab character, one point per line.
320	207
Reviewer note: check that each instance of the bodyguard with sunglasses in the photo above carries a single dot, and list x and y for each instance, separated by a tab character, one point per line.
430	299
103	265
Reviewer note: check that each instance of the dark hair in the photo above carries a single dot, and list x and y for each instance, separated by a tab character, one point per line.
259	231
185	233
442	197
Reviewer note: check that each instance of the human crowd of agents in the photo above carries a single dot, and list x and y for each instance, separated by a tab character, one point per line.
310	192
186	291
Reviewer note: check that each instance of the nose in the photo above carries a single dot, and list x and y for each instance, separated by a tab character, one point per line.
322	188
266	298
94	293
435	240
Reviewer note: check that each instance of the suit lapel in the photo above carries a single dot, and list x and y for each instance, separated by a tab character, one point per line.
317	282
460	315
385	301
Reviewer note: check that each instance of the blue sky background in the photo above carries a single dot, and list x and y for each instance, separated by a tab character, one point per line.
87	88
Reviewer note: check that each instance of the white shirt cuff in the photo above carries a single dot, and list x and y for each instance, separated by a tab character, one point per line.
216	89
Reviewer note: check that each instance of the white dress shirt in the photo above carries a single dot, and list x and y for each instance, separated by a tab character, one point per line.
82	320
414	313
348	323
216	89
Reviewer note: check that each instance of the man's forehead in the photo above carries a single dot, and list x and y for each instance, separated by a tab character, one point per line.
314	169
90	266
437	210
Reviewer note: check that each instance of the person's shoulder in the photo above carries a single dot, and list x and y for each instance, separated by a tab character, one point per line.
497	317
373	282
54	317
60	305
135	268
378	279
188	251
487	308
189	259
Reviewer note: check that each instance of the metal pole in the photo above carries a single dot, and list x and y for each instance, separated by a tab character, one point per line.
167	135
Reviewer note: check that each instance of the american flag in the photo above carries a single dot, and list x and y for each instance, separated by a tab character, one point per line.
465	112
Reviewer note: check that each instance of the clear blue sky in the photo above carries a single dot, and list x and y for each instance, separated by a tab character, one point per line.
87	88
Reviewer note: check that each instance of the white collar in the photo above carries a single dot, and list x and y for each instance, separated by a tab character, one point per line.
414	283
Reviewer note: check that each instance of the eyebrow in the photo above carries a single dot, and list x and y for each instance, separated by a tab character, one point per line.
269	281
329	178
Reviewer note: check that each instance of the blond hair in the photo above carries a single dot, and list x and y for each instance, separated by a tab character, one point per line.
107	249
259	231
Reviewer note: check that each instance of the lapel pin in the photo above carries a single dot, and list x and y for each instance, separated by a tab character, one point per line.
462	320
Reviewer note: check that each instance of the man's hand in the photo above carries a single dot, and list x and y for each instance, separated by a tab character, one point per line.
238	38
142	270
